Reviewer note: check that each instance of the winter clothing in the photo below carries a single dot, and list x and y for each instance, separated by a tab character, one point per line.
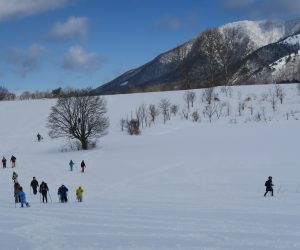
71	164
23	198
15	177
44	190
63	193
79	193
34	184
82	166
269	186
16	192
39	137
4	162
13	161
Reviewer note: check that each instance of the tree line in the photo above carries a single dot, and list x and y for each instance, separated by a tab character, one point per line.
6	95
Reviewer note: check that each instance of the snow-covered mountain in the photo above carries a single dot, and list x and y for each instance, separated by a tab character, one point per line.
276	62
169	70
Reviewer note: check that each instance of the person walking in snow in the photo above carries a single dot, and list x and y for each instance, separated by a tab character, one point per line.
79	194
15	177
44	190
71	164
63	193
23	198
13	161
34	185
39	137
82	166
16	192
269	186
4	162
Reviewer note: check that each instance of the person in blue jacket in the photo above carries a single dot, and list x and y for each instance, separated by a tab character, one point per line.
23	198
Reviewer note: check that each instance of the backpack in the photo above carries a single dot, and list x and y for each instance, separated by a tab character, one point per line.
266	183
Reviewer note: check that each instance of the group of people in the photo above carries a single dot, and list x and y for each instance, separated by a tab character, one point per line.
43	189
62	191
12	160
82	165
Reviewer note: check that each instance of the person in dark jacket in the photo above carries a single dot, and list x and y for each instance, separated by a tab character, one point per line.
34	184
44	190
269	186
82	166
13	161
39	137
17	187
71	164
4	162
23	198
63	193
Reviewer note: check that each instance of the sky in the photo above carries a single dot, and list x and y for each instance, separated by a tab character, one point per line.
46	44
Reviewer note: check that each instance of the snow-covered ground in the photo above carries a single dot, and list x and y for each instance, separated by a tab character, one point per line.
183	185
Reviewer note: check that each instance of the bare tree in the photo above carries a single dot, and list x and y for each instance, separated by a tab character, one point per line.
133	127
208	95
164	106
122	124
141	114
219	109
3	93
195	116
231	46
207	46
189	97
185	113
153	112
279	92
210	111
174	109
81	117
273	100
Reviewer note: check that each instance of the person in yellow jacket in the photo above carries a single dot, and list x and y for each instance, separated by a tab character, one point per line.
79	193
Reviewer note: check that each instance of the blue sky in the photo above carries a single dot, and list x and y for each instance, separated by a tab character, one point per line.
47	44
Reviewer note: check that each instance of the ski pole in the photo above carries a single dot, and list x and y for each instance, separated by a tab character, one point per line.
40	198
50	196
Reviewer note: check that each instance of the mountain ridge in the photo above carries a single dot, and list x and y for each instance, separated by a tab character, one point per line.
171	69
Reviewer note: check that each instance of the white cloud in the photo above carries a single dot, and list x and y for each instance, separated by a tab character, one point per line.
171	23
73	28
10	9
237	4
264	8
80	60
24	61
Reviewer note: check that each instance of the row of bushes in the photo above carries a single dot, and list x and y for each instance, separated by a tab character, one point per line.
6	95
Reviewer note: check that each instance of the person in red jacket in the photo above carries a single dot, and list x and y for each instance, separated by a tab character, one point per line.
82	166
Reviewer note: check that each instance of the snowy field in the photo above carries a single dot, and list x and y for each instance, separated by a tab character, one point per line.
183	185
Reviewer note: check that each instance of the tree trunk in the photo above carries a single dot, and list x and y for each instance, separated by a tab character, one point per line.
84	144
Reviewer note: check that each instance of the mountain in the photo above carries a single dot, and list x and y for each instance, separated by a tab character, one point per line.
185	66
276	62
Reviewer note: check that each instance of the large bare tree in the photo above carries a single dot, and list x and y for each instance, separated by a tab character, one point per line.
80	117
207	46
231	46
